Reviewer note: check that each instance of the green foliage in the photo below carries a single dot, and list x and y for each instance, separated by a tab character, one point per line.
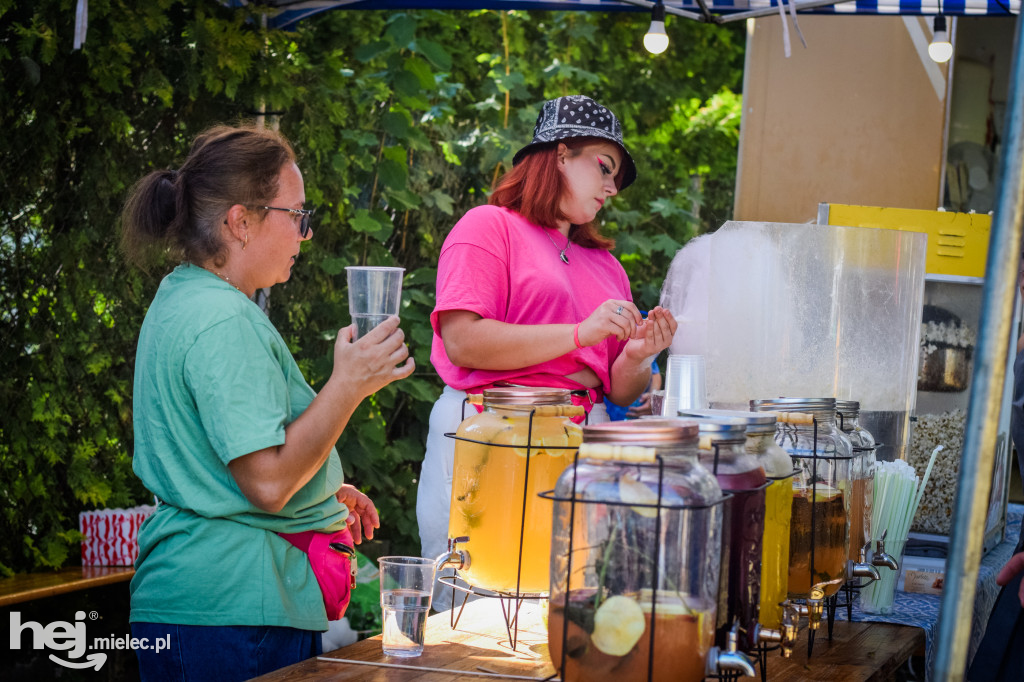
364	613
402	121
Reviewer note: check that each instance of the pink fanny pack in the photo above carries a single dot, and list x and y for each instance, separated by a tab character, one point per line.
332	556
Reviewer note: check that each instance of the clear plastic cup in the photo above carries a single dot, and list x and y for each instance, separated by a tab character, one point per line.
406	584
374	295
684	384
879	596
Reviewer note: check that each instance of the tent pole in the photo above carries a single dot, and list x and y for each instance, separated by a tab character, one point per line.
774	10
670	10
994	338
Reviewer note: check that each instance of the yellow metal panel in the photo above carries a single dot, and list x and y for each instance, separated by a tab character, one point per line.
957	242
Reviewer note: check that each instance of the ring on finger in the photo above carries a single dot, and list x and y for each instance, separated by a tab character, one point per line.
618	311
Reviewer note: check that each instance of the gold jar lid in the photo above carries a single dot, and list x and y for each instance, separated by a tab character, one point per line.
720	430
526	395
822	408
757	422
642	432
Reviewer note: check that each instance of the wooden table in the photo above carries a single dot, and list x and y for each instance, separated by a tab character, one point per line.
858	652
479	644
28	586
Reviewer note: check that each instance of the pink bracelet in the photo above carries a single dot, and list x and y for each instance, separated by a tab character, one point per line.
576	335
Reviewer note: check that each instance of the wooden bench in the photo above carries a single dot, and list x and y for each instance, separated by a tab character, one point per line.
29	586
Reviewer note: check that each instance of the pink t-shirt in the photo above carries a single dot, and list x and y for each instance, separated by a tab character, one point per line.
501	266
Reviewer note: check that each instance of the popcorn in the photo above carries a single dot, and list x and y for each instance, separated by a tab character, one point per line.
112	535
956	335
935	515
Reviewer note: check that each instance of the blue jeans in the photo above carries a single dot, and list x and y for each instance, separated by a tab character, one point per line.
219	653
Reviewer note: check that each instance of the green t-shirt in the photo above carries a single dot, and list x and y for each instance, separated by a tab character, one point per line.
215	381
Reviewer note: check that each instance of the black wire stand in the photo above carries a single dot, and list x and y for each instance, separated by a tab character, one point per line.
830	603
660	505
758	650
511	601
762	649
733	493
852	587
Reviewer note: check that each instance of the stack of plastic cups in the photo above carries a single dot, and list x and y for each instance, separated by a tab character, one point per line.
684	385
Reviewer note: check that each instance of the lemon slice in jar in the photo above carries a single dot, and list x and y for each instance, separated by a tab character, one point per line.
562	440
514	434
822	492
669	603
618	625
632	491
555	445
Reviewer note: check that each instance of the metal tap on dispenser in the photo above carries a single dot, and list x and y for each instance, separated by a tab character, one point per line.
731	658
881	558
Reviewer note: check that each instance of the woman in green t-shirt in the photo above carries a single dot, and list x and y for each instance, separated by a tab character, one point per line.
228	435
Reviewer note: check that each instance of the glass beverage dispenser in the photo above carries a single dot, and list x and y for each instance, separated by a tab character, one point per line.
862	471
722	450
504	456
778	467
636	538
819	540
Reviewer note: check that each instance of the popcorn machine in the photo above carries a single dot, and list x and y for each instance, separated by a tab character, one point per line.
955	269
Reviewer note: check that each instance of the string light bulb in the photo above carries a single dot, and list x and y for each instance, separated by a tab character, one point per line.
656	40
940	49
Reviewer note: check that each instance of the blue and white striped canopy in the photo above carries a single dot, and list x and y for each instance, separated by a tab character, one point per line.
293	11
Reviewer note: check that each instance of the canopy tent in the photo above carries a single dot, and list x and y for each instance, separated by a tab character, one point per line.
711	11
975	477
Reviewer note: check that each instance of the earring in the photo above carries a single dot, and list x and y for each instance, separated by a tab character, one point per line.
245	242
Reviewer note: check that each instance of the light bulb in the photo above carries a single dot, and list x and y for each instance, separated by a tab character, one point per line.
940	49
656	40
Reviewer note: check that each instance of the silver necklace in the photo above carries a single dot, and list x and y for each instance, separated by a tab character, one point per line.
561	252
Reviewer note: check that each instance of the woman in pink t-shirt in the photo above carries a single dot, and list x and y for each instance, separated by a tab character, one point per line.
528	292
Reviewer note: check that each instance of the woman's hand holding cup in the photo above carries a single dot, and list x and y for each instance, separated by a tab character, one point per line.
371	362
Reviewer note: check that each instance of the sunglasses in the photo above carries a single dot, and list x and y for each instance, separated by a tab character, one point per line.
306	213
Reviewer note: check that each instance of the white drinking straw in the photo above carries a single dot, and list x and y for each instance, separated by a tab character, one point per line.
927	474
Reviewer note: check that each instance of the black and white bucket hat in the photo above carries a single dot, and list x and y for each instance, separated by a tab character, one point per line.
578	116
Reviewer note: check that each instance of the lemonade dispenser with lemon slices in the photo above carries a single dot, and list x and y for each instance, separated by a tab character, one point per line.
635	546
504	456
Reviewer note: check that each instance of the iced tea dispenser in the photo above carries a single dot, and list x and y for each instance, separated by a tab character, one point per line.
636	537
862	474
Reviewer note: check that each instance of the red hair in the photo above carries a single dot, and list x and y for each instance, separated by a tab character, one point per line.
534	188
